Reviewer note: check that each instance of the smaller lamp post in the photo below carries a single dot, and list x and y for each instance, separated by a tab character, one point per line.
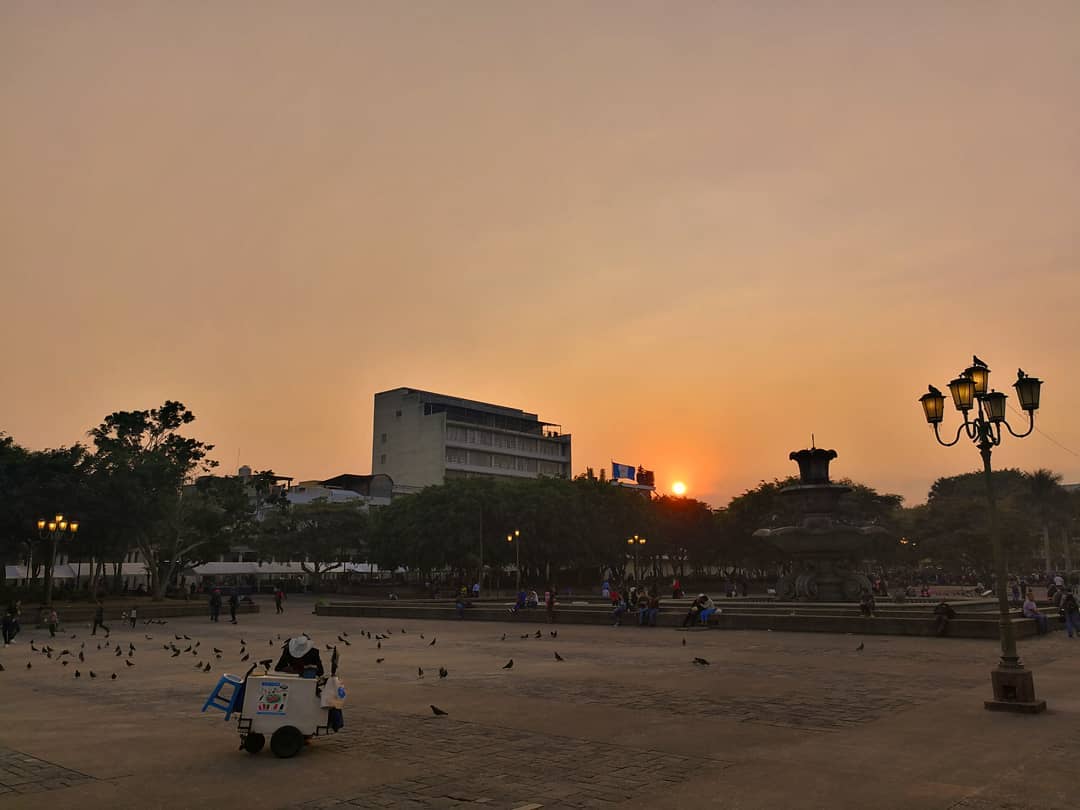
511	538
634	542
53	531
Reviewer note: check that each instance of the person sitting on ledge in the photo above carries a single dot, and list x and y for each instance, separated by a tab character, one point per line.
943	614
694	613
1031	611
866	604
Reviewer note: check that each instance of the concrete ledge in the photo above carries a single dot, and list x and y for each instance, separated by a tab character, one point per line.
968	626
150	610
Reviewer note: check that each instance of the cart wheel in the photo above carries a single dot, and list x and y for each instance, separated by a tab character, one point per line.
253	743
286	742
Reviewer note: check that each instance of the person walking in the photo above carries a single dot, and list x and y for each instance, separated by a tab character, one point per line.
234	603
279	596
53	622
549	603
99	619
1070	609
133	616
215	604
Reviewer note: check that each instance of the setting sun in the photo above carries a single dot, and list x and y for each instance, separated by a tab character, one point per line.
679	488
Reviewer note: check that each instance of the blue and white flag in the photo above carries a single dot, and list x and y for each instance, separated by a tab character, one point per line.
623	471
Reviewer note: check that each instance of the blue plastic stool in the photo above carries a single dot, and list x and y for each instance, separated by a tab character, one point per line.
225	703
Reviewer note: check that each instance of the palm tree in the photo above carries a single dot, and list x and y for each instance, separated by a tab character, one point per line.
1049	502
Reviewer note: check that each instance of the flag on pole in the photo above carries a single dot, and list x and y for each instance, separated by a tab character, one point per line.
623	471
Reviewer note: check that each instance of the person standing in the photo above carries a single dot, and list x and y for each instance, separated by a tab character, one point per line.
549	603
99	619
1070	609
133	616
476	590
9	621
279	596
234	603
53	622
215	604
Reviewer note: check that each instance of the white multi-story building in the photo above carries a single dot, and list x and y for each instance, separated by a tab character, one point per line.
421	438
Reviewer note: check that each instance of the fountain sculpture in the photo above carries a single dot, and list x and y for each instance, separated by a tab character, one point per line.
823	549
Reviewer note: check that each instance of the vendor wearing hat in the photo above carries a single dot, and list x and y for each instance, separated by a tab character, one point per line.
297	654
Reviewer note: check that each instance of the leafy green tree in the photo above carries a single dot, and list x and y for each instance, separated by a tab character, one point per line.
149	462
320	535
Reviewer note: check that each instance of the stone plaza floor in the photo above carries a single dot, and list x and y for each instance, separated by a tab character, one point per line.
775	720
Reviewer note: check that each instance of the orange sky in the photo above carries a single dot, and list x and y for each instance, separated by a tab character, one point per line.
692	233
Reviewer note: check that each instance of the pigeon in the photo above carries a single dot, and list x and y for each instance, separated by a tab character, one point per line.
207	667
32	647
421	636
81	656
346	634
119	652
270	643
216	650
975	361
266	662
419	672
559	657
114	676
378	645
504	637
65	663
433	640
539	634
175	654
861	647
684	642
78	674
177	637
328	648
187	637
402	631
509	664
187	648
1	667
443	672
243	643
149	637
936	392
29	665
197	666
244	657
525	636
554	633
1020	374
93	674
129	663
701	662
435	710
379	660
131	647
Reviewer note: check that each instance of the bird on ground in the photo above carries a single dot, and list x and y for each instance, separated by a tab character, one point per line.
175	654
149	637
29	665
187	648
539	634
65	663
32	647
78	674
378	645
328	648
342	633
435	710
197	666
1	667
243	643
504	637
443	672
379	660
559	657
421	636
81	656
216	650
509	664
177	637
207	667
861	647
684	642
402	631
266	662
433	640
419	672
114	676
186	636
244	657
129	663
93	674
131	647
554	633
119	652
701	662
525	636
99	646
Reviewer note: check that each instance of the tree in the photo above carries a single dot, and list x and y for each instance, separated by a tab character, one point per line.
149	462
1049	504
320	535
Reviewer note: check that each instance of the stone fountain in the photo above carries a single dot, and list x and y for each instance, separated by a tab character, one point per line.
824	551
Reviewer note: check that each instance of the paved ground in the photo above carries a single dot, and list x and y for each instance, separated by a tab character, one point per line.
776	720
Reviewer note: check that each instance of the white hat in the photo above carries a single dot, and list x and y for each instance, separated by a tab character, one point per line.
299	646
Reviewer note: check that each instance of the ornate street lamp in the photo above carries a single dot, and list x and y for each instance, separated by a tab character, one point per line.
53	531
1014	687
510	538
634	542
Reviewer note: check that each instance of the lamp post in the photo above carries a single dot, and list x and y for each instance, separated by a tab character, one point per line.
510	538
53	531
1014	687
634	542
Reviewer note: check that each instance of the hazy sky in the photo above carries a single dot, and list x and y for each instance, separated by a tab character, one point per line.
691	233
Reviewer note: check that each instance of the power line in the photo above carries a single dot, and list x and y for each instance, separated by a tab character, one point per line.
1046	435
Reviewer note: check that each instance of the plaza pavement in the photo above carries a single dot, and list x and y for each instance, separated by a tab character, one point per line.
775	720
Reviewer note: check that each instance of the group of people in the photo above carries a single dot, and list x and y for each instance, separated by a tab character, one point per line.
645	602
216	601
527	600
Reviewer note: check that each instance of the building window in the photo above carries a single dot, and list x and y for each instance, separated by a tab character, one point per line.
397	414
383	439
455	456
382	458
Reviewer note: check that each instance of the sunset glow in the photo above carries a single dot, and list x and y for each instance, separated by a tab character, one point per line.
679	488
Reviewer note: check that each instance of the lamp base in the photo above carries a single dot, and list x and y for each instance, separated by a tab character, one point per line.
1014	691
